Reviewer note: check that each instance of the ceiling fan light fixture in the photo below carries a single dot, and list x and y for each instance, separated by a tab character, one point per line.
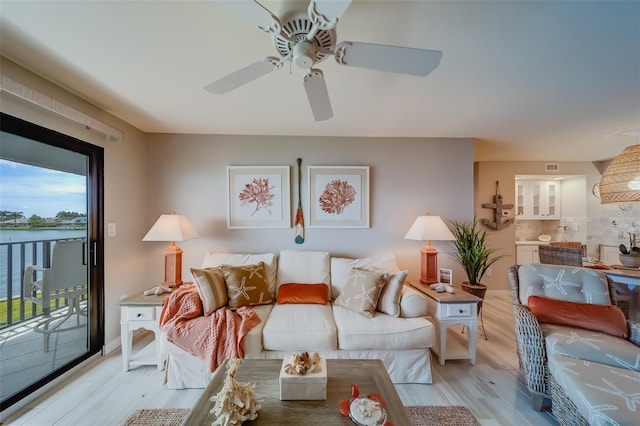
304	54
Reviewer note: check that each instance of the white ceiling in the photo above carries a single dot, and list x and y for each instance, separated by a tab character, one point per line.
530	80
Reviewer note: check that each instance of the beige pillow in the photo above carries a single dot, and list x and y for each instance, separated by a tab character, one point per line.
246	285
389	302
211	288
362	291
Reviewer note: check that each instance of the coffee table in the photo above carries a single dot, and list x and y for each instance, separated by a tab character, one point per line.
369	375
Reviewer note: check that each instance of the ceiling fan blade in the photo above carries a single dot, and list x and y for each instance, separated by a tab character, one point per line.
244	75
404	60
251	11
317	94
332	9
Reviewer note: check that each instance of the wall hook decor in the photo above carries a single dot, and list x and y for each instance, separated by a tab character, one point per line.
497	207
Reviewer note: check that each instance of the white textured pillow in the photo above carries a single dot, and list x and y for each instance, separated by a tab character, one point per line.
389	302
341	267
362	291
211	288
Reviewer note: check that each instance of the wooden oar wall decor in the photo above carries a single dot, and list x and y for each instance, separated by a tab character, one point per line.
497	207
299	225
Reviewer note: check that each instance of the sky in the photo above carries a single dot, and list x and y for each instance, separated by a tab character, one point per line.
43	192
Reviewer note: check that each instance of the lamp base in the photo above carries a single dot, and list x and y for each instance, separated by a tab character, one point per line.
173	266
429	265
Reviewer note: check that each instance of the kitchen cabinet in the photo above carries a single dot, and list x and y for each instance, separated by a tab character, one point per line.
537	199
527	254
609	255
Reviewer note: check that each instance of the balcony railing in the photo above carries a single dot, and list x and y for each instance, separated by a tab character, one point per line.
15	257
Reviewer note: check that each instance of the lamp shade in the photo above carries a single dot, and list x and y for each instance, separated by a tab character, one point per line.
620	182
427	228
171	227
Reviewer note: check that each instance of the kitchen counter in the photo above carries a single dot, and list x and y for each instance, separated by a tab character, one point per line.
531	243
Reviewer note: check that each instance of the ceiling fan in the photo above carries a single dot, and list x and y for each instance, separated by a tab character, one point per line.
307	38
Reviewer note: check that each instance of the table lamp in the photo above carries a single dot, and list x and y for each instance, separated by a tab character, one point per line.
172	227
427	228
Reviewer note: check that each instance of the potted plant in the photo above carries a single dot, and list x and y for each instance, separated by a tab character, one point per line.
473	254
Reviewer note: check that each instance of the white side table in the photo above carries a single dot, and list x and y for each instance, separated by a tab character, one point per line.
448	310
135	313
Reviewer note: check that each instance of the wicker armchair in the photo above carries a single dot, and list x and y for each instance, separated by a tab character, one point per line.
555	255
533	357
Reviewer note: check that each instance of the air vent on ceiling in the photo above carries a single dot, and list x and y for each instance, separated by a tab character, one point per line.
551	167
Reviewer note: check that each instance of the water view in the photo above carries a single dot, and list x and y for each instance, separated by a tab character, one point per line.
11	237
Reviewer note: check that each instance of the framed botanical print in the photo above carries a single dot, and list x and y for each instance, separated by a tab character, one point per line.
338	196
259	197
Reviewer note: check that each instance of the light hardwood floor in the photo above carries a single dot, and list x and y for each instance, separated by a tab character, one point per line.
102	394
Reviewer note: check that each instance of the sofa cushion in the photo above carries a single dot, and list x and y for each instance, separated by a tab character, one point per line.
303	293
253	339
341	267
413	303
362	291
246	285
357	332
212	258
602	318
603	395
570	283
389	301
591	346
300	266
296	327
211	288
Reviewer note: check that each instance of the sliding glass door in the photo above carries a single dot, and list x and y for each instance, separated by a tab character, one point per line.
51	239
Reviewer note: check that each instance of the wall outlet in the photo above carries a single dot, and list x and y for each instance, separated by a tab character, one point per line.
489	272
111	230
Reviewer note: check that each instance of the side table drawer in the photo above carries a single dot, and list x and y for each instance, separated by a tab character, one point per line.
458	310
140	313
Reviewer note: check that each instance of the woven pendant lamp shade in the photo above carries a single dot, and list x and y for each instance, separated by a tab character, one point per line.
620	182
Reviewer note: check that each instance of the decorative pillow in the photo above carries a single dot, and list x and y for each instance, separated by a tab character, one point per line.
211	288
606	319
303	293
246	285
341	268
389	302
362	291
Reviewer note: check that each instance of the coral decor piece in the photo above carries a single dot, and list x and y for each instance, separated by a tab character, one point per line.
259	192
303	364
337	195
236	402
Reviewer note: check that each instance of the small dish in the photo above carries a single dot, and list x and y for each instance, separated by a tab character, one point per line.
544	238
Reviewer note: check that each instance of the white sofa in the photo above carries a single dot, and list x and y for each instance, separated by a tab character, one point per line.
402	343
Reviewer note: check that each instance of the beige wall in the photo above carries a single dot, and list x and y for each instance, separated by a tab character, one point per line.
408	177
487	173
124	181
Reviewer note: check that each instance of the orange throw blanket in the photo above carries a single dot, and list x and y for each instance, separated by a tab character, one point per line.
214	338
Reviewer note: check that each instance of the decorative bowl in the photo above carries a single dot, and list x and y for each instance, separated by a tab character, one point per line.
545	238
630	260
364	410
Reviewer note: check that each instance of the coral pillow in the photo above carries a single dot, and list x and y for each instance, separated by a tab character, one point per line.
246	285
303	293
603	318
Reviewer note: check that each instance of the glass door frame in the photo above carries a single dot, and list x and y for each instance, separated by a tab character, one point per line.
95	236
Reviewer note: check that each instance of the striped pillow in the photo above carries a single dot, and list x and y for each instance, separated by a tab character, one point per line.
211	288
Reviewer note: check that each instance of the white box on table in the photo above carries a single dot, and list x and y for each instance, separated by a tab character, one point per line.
311	386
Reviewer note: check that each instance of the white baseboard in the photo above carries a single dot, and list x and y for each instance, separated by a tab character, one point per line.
111	346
